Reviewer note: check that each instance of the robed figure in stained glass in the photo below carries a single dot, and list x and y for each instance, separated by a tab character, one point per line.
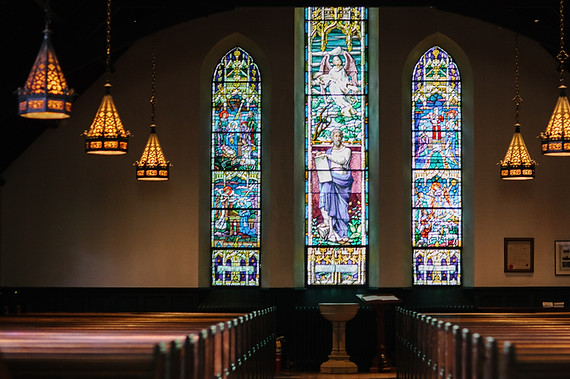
335	191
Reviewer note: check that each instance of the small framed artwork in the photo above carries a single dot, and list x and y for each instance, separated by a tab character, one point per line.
562	257
519	255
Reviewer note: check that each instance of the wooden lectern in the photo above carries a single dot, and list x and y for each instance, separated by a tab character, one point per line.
380	303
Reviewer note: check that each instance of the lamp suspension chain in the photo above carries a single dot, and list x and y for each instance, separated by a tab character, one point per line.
108	42
562	56
517	99
47	15
153	89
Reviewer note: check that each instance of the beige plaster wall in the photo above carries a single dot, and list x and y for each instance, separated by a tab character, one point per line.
69	219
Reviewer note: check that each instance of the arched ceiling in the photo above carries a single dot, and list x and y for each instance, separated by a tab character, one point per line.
79	39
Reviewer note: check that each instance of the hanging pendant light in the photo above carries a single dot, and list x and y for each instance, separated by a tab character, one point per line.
45	94
556	138
107	136
153	166
517	165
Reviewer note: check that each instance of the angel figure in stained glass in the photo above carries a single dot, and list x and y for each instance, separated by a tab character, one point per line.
340	78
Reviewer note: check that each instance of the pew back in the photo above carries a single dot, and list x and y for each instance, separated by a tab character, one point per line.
483	345
136	345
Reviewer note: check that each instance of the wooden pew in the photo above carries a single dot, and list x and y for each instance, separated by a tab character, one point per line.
137	345
151	364
483	345
538	337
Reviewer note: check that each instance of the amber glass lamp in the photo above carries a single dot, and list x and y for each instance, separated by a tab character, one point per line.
556	138
45	94
517	164
153	166
555	141
107	136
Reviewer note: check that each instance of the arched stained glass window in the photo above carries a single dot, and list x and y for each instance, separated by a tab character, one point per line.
336	145
236	170
436	170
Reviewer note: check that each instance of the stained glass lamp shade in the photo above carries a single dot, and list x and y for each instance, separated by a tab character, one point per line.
152	166
517	165
45	94
556	138
107	136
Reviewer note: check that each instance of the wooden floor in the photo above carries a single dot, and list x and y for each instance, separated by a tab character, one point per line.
317	375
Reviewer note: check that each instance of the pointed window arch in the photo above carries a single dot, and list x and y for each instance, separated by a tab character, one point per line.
336	145
436	169
236	171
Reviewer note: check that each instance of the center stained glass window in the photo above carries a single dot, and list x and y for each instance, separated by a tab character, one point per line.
336	145
436	170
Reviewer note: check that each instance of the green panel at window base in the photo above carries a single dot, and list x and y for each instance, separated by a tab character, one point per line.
437	267
235	267
336	266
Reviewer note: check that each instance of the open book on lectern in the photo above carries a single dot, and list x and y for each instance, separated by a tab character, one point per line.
366	298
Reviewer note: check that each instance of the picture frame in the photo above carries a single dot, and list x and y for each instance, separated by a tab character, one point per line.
562	257
519	255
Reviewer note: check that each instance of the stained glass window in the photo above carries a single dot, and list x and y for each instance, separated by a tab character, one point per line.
436	170
236	170
336	145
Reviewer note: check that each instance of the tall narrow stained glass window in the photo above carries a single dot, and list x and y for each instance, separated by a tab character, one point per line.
336	145
236	170
436	170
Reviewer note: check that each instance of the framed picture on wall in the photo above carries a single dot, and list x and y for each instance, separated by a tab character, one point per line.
562	257
519	255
